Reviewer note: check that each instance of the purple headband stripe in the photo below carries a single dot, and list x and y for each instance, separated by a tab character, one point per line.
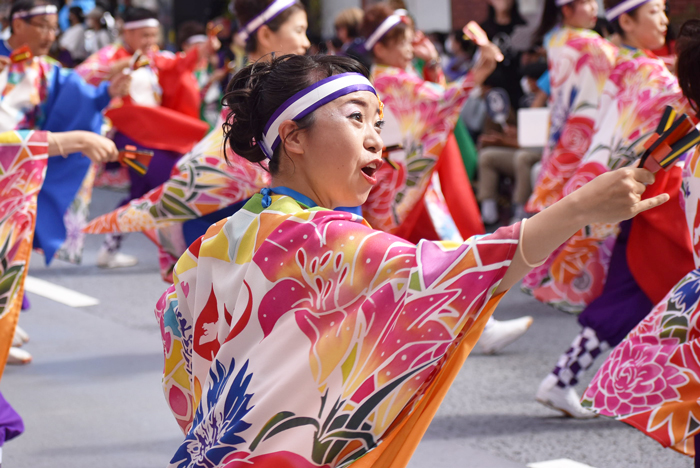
308	100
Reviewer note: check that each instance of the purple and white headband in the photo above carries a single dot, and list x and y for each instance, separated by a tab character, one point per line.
36	11
308	100
385	26
144	23
272	10
561	3
624	7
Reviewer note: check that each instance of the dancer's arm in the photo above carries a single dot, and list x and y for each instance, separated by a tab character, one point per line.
611	197
98	148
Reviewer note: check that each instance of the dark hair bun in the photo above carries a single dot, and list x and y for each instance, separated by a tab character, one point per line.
259	89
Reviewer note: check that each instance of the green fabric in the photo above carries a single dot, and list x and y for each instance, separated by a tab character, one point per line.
467	148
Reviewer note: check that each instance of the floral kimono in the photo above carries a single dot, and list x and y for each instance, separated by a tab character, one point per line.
23	162
298	336
652	379
633	100
201	183
38	94
420	115
579	64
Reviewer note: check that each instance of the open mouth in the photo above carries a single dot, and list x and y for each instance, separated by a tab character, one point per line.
371	169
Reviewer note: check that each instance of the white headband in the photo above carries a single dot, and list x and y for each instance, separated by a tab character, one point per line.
274	9
196	39
36	11
384	28
561	3
144	23
308	100
624	7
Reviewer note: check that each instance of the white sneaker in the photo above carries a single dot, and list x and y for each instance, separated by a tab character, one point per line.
105	259
18	356
499	334
565	400
489	211
20	337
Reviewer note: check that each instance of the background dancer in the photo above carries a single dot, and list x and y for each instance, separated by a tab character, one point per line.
368	329
636	94
163	95
39	94
25	155
428	195
652	379
579	63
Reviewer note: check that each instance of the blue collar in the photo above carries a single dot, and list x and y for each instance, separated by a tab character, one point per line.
303	199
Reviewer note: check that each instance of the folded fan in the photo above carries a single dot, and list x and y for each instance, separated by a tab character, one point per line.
21	54
673	137
136	159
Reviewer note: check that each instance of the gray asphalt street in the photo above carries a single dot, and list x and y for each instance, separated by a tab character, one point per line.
92	396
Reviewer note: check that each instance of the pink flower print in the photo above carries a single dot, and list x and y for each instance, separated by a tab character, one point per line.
637	376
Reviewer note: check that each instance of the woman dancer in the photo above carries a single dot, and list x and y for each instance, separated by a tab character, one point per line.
636	94
161	112
421	115
203	183
427	195
579	63
652	379
24	155
296	335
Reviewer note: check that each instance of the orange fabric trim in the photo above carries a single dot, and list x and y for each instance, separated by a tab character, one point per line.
397	448
10	319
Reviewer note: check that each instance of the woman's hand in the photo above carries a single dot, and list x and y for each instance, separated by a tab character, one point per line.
98	148
489	56
424	49
609	198
616	196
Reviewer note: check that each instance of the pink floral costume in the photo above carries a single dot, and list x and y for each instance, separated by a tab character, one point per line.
23	162
301	337
652	379
579	64
634	97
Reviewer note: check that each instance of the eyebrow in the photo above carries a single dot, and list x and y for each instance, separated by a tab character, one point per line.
360	103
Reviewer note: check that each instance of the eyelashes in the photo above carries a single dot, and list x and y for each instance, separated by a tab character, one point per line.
360	118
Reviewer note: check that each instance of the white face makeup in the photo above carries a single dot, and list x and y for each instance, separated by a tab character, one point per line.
335	161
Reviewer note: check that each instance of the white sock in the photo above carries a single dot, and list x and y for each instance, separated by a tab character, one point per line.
489	211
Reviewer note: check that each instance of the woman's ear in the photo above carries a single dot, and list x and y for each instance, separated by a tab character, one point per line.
626	22
265	37
379	51
292	138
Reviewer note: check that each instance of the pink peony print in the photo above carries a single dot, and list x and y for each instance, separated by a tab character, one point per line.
636	377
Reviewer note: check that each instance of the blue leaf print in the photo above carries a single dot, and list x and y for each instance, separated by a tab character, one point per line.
215	434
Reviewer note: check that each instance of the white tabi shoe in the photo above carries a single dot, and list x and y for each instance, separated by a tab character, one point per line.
105	259
499	334
565	400
18	357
